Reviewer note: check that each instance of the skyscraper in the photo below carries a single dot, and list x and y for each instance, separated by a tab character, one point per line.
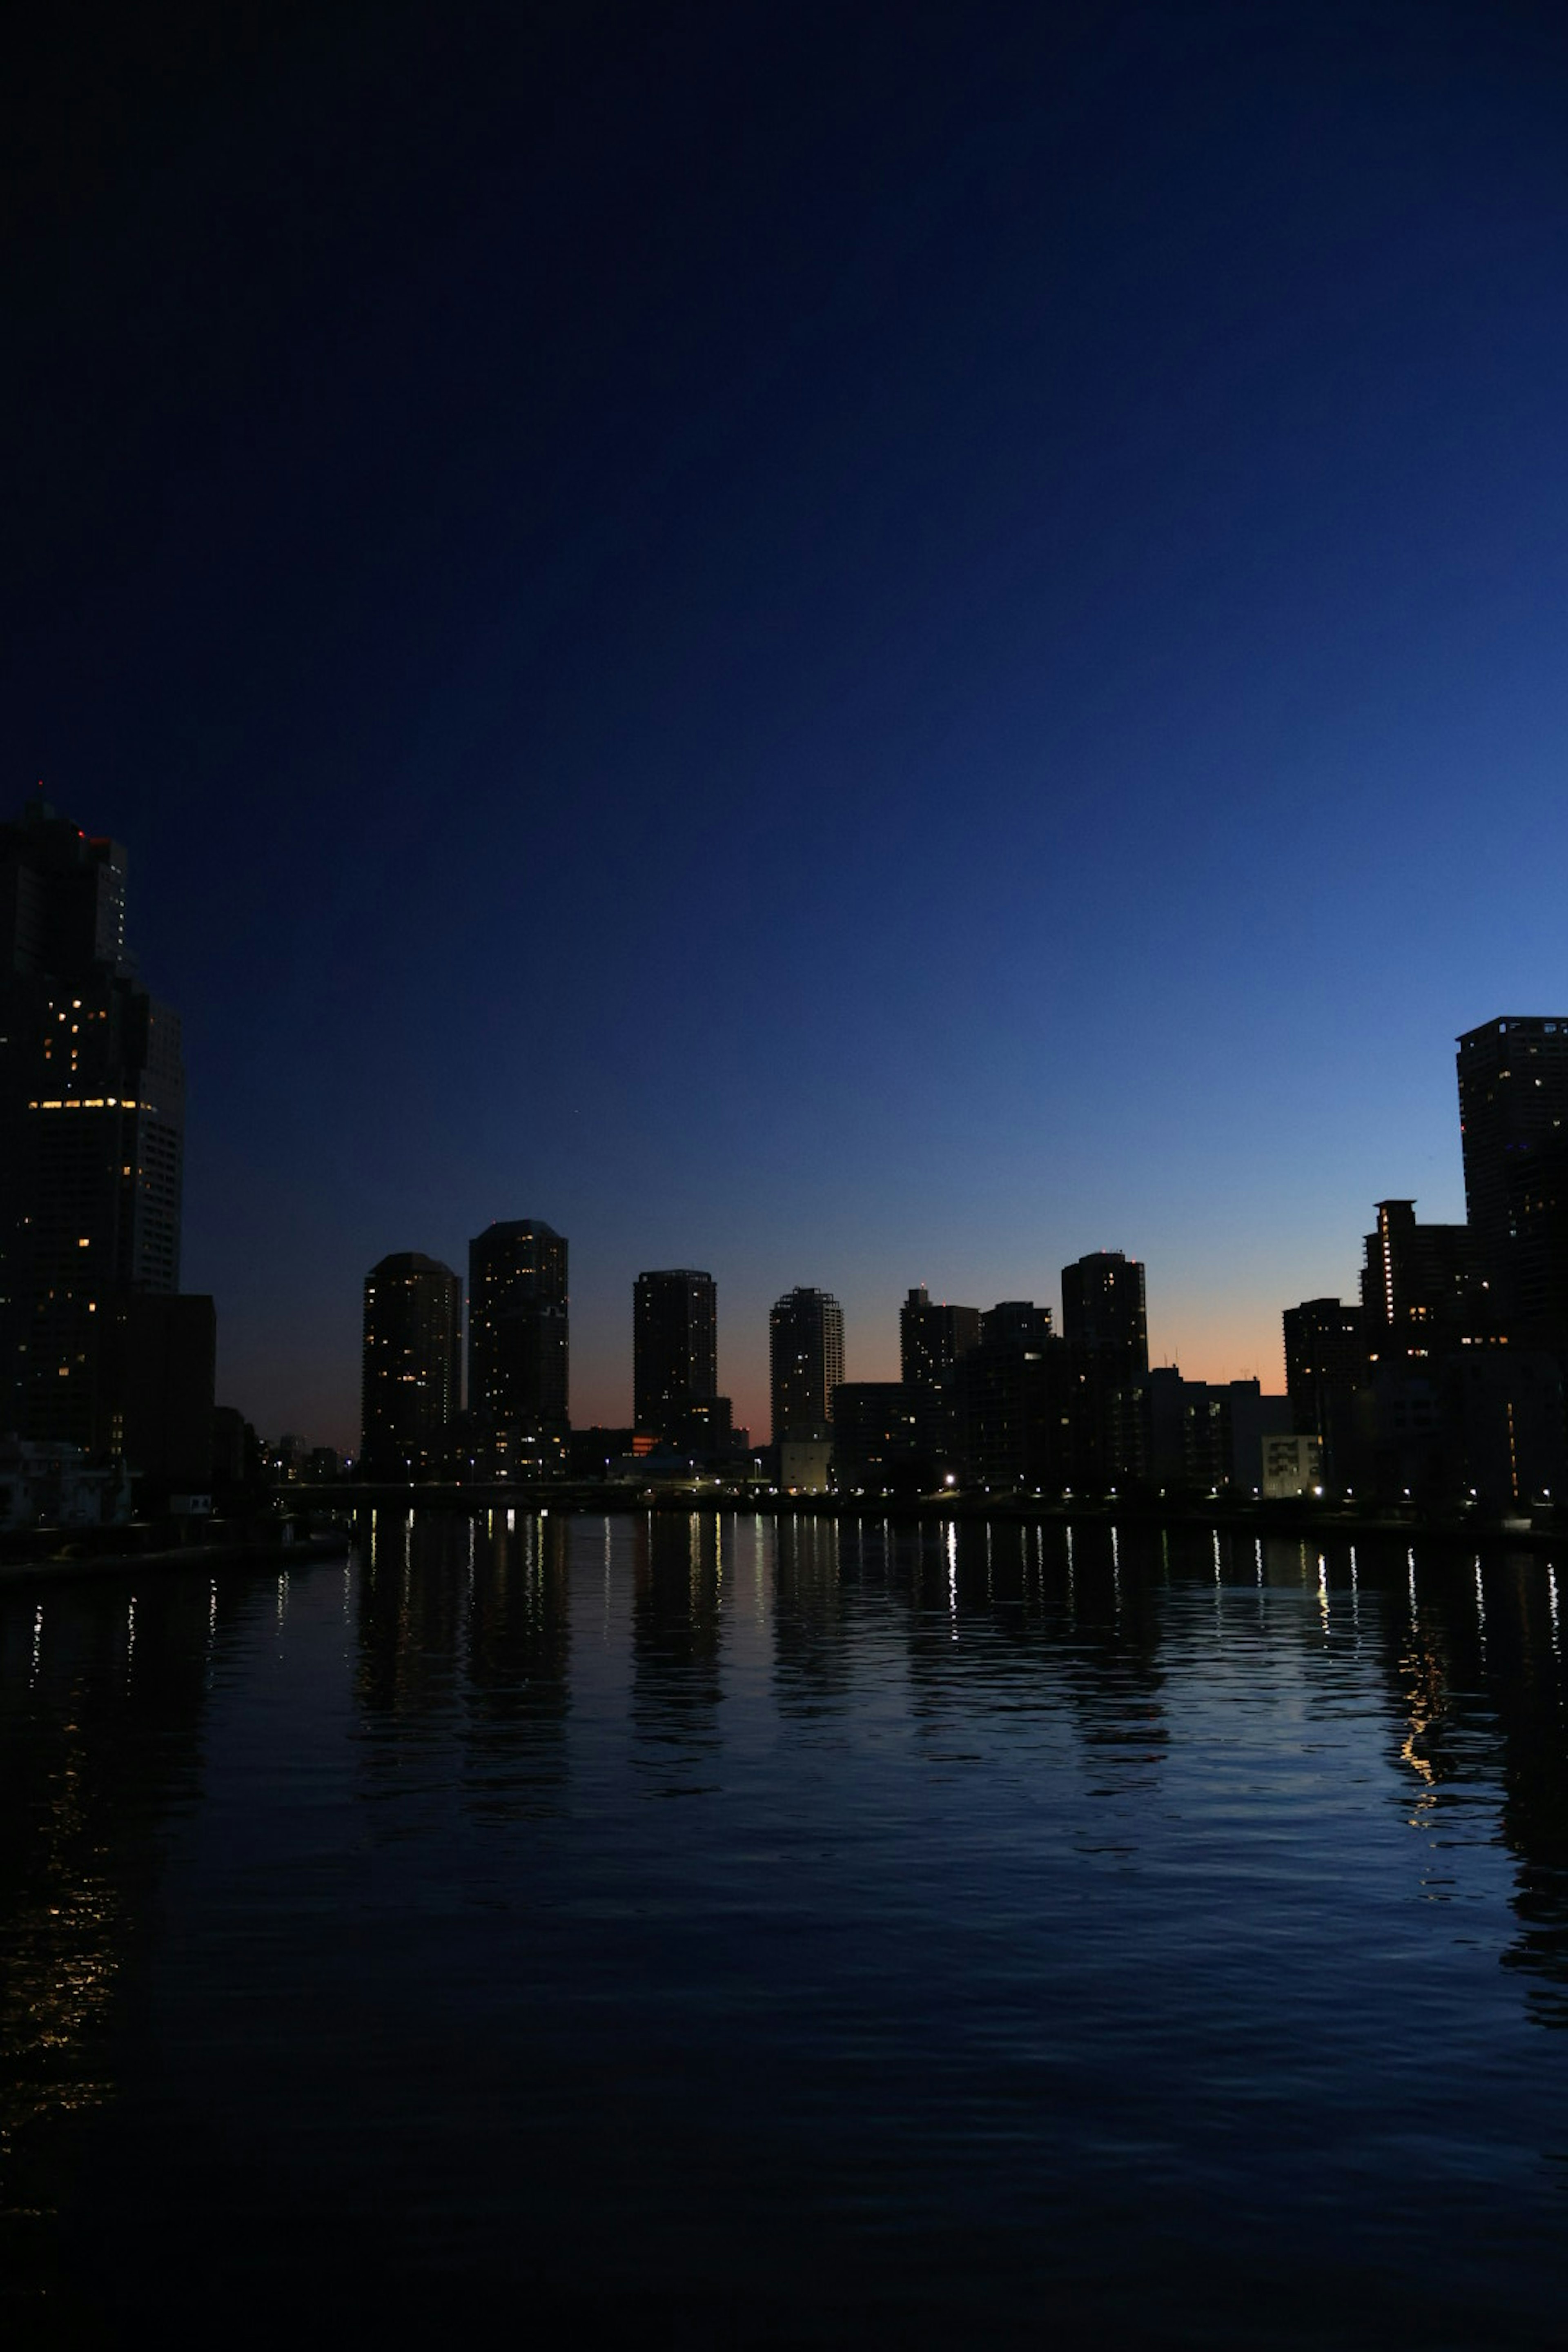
1326	1373
1013	1401
518	1335
933	1339
932	1336
1104	1307
1325	1349
806	1361
1423	1292
411	1363
1107	1335
674	1347
92	1132
1513	1123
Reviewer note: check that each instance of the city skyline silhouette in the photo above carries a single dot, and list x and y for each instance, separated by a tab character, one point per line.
855	651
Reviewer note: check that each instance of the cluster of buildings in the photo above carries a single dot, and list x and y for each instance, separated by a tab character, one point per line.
997	1400
1445	1378
1443	1381
516	1423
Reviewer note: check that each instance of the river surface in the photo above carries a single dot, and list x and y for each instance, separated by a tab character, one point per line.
729	1931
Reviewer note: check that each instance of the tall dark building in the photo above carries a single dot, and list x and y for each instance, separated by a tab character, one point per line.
1015	1323
1326	1372
1325	1348
1184	1430
877	1436
1456	1403
1513	1121
933	1339
92	1132
1104	1307
518	1331
674	1348
1539	1278
806	1361
1013	1401
1106	1331
1423	1291
932	1336
411	1364
162	1352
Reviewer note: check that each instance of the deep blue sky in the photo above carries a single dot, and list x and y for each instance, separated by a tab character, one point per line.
855	646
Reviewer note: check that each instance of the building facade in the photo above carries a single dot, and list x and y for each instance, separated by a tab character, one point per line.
411	1365
1326	1374
1105	1325
1292	1466
805	1362
162	1352
517	1343
1016	1323
675	1349
1104	1307
1423	1288
1513	1125
877	1438
932	1336
1014	1404
91	1133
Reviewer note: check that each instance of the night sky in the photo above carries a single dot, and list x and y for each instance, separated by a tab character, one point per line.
855	645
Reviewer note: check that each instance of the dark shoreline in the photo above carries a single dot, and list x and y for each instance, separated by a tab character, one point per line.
1294	1520
1287	1519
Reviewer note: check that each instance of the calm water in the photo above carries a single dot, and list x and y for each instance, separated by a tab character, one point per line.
798	1934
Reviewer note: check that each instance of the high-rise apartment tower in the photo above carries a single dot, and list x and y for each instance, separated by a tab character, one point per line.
518	1330
1326	1371
1104	1307
805	1361
92	1132
1422	1290
1513	1124
411	1365
1107	1335
932	1336
674	1356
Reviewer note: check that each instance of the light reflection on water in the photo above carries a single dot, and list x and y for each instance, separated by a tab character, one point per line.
787	1932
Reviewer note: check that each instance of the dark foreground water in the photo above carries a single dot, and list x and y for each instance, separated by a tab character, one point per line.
731	1932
